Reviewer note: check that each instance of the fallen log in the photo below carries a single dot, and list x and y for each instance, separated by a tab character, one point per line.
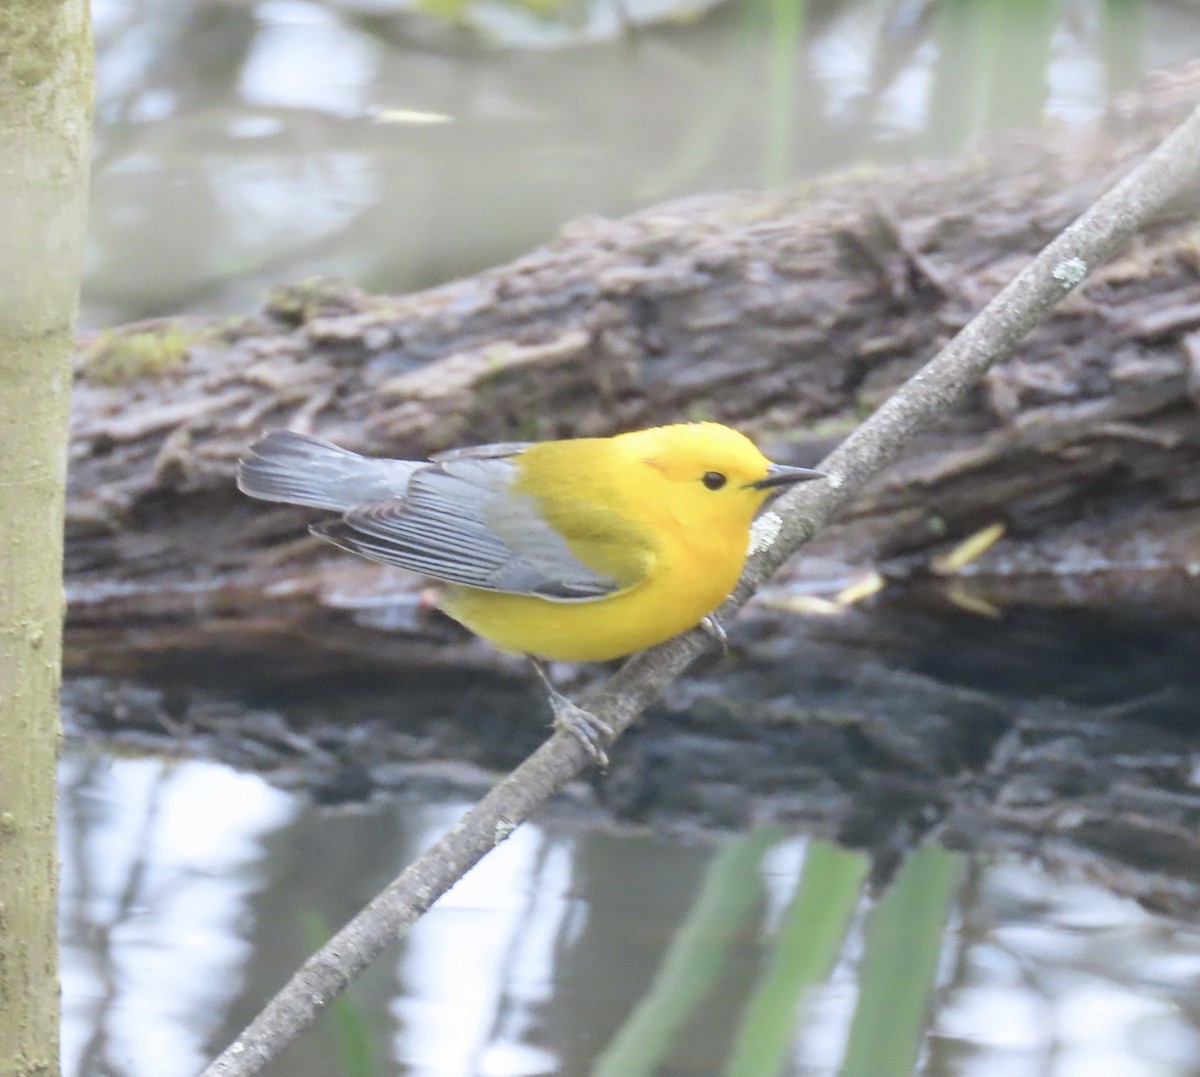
787	315
783	315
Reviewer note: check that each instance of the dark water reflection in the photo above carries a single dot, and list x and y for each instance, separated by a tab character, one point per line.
190	891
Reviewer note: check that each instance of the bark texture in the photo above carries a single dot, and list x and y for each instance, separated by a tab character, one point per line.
884	746
790	316
45	105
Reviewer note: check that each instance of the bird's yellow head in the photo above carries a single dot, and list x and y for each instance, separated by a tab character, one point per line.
705	475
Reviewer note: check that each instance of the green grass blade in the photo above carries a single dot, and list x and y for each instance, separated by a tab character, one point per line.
957	99
899	966
1124	26
787	28
355	1048
728	896
809	942
1018	46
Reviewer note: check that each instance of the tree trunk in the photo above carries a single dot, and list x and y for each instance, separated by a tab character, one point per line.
45	118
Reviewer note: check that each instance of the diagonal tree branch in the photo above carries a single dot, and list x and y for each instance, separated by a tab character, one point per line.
1170	172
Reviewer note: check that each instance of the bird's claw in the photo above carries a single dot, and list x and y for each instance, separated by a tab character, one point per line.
716	630
583	725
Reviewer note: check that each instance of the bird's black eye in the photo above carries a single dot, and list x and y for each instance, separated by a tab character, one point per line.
714	480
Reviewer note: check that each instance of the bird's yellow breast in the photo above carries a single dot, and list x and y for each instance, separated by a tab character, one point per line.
671	599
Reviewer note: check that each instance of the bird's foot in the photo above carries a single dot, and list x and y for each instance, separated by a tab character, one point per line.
582	724
714	628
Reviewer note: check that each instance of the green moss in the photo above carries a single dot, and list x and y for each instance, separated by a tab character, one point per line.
299	303
116	357
496	358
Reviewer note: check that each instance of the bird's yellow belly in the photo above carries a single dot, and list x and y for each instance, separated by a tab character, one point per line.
650	612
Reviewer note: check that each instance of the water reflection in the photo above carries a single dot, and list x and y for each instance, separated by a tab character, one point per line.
159	861
492	942
239	145
186	888
1060	977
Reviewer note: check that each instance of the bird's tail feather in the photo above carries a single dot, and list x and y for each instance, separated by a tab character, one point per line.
300	470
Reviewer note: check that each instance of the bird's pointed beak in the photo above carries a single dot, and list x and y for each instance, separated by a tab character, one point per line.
785	475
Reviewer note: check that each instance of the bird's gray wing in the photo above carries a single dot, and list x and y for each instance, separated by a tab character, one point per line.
482	452
301	470
460	521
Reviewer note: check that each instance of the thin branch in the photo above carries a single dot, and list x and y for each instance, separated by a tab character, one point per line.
1169	173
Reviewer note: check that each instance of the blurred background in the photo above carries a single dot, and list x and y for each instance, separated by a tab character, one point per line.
244	145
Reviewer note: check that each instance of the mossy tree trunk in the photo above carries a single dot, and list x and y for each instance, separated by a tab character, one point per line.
45	106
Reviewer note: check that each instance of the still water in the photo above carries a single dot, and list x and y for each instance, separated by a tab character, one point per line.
190	891
245	145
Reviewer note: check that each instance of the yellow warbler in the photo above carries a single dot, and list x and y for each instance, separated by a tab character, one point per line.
578	550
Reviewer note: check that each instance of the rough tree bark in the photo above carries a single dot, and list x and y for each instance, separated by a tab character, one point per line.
789	316
45	104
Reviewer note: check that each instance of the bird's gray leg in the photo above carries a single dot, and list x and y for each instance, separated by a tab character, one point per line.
714	628
582	724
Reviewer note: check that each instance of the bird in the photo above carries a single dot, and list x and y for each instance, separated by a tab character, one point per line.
581	549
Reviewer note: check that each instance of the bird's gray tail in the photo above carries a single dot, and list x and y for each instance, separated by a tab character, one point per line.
299	470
